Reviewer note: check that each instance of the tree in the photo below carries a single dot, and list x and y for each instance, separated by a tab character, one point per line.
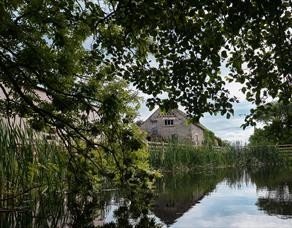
42	48
277	126
190	40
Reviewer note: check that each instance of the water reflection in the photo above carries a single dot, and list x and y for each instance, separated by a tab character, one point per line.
223	198
52	209
277	199
227	198
178	193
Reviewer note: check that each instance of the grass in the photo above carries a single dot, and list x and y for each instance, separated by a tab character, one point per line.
184	156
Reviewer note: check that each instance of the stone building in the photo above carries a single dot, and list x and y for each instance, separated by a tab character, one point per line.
172	125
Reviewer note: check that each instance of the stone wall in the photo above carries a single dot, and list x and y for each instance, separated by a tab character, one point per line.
197	135
157	129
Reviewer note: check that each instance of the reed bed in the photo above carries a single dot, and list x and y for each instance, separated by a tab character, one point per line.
37	182
185	156
28	162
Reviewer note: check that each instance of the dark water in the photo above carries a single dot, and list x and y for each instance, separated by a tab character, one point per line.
222	198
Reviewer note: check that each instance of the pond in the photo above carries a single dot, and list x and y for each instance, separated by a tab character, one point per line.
220	198
259	198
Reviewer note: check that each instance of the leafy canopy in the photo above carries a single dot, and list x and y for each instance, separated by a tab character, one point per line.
42	48
277	126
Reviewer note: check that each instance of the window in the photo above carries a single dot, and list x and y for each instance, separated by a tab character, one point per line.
168	122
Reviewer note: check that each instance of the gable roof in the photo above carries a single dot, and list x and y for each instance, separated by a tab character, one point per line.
180	112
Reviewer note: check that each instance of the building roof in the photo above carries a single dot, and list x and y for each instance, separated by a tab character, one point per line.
182	113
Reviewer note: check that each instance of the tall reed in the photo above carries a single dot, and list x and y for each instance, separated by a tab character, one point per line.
36	184
28	161
185	156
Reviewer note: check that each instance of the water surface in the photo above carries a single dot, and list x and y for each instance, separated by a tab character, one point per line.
227	198
219	198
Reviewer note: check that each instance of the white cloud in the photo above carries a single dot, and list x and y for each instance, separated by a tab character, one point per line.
230	207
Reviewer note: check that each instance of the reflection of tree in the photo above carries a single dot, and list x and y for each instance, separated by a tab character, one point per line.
237	178
55	209
178	193
270	177
134	210
278	186
80	209
278	201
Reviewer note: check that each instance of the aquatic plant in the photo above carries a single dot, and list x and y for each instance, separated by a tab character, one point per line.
29	162
176	155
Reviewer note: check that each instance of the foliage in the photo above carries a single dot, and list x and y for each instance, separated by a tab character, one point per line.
188	41
209	138
49	78
262	137
264	155
31	163
41	184
44	49
277	126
